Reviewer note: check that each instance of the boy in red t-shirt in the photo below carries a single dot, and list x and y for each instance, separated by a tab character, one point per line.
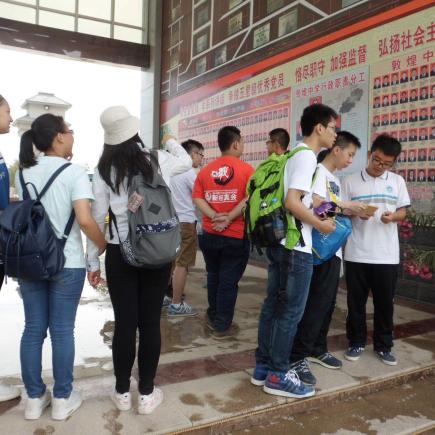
220	194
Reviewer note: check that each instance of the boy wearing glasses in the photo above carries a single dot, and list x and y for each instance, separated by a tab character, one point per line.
372	250
181	187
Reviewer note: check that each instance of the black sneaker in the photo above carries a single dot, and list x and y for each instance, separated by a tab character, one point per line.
303	371
326	360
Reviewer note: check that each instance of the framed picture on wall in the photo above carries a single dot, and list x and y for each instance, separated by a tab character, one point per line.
235	23
233	3
201	65
261	35
288	23
273	5
220	55
202	15
201	43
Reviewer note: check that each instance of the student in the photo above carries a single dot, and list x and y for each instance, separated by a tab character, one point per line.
311	338
6	392
220	194
136	293
278	141
52	303
285	301
372	250
181	188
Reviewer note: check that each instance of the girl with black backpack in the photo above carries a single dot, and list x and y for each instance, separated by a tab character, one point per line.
52	303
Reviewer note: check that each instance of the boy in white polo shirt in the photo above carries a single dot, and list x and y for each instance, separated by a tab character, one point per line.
372	250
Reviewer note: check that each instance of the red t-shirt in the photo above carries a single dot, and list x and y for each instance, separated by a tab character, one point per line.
222	183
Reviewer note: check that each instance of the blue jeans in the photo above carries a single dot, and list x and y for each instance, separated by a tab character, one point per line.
282	310
225	261
50	304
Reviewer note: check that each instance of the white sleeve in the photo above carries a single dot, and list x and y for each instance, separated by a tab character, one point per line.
99	209
174	161
319	185
299	171
403	199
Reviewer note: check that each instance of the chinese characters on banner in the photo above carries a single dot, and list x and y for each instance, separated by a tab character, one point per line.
403	105
348	94
255	108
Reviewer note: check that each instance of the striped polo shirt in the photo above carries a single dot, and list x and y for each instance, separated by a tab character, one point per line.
371	240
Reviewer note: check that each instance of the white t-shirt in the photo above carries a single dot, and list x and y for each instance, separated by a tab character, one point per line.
70	185
298	175
320	188
181	188
372	241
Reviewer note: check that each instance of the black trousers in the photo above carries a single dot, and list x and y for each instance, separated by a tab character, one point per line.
381	279
137	296
2	274
311	337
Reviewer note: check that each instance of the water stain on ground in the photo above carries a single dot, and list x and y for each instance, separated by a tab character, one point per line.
9	404
113	426
191	399
182	333
47	431
196	417
423	343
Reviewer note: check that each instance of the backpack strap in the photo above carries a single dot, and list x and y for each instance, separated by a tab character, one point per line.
51	179
26	194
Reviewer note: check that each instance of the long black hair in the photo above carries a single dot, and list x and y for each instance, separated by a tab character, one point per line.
126	159
41	134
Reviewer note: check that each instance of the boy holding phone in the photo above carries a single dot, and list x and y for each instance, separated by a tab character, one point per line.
372	250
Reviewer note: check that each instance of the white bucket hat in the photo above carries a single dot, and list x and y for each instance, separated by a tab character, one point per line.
118	124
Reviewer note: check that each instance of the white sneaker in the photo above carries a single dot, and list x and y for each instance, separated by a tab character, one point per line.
63	408
121	401
148	403
35	407
8	393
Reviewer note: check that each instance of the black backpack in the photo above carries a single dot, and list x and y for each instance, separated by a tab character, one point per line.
29	246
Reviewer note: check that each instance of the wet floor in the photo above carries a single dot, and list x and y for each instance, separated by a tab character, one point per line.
398	410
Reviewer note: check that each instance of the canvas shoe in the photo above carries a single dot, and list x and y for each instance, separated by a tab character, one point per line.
302	368
35	407
149	402
259	375
8	393
167	300
326	360
63	408
353	353
287	385
387	357
121	401
181	310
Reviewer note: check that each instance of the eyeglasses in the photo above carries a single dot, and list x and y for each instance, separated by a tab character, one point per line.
378	162
68	131
199	153
332	127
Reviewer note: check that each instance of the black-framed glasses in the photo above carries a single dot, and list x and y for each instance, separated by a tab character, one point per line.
378	162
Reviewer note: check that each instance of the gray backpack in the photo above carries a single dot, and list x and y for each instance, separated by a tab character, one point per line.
153	228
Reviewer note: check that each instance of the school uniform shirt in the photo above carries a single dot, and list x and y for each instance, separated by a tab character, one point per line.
320	187
181	189
372	241
4	184
71	185
222	183
298	175
172	162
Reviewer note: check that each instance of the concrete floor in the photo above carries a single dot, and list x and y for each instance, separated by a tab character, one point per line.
206	381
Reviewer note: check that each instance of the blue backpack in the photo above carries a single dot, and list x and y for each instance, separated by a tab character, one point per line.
29	246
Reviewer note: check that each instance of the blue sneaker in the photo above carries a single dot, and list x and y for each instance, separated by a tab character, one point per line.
353	353
387	357
287	385
181	310
259	376
302	368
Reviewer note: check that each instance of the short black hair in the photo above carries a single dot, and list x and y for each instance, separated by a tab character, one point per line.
316	114
387	144
226	136
280	136
343	140
190	145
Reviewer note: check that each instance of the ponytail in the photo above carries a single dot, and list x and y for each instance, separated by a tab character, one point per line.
27	156
42	133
